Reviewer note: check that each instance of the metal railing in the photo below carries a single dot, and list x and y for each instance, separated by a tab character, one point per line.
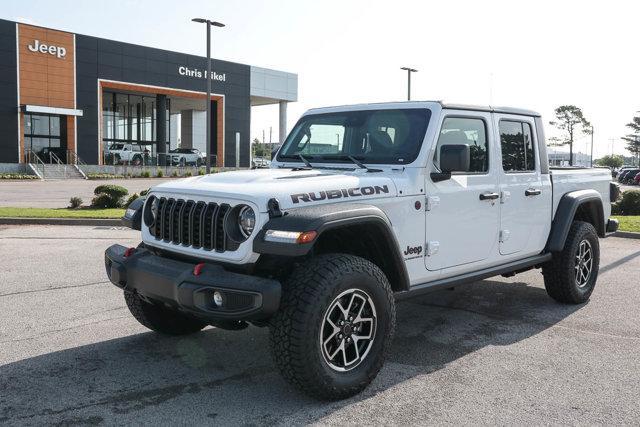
35	162
76	161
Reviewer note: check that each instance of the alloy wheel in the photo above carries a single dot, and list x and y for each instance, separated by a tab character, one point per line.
348	330
584	264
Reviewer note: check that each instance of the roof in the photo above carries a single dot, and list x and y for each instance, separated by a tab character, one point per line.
419	104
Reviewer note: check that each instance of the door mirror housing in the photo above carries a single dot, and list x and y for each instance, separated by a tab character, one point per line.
453	158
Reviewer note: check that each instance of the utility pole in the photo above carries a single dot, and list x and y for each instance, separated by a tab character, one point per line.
409	71
591	160
612	141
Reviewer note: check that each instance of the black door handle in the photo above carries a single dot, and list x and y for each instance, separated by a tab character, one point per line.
532	192
489	196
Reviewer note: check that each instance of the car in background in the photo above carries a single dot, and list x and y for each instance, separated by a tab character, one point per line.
186	156
121	153
636	179
627	176
260	162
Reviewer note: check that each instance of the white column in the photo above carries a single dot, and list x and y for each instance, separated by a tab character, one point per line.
283	121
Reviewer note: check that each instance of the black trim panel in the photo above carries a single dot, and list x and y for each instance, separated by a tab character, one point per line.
475	276
567	208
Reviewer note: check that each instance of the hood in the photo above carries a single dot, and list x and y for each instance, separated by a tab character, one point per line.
292	188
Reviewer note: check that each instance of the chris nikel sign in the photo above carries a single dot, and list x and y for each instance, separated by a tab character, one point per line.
194	72
38	46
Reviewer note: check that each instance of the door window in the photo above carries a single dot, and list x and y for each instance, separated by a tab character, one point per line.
466	131
516	141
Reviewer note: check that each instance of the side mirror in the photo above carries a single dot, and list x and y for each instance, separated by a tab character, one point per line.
453	158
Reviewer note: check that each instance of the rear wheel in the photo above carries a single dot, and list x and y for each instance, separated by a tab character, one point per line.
161	319
571	275
335	325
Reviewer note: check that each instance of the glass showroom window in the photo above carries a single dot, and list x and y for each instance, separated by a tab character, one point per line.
42	135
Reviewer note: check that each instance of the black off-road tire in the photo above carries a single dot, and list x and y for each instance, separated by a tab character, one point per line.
161	319
295	330
560	273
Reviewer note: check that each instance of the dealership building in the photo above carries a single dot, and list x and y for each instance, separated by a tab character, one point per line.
75	96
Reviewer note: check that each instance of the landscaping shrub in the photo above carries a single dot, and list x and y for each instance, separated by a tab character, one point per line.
75	202
131	199
102	201
108	196
17	176
93	175
628	205
174	173
159	173
145	174
187	173
201	171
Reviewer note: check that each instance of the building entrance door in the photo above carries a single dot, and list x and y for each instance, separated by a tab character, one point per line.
46	136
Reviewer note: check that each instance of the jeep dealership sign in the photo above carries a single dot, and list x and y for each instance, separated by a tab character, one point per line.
38	46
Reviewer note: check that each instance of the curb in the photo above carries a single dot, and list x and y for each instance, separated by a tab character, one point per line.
627	234
61	221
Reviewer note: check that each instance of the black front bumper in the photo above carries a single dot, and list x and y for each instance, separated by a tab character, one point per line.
173	283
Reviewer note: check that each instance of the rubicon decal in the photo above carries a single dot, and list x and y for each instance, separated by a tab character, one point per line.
339	194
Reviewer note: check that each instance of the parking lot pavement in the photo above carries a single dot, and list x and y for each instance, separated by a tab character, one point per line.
56	193
495	352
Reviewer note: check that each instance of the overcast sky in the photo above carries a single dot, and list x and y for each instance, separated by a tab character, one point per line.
538	55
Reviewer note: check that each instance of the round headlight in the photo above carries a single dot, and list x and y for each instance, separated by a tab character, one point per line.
151	211
246	221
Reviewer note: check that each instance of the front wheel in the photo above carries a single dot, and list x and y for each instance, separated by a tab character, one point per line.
335	325
159	318
571	275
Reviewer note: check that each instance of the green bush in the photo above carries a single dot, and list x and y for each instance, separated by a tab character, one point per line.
629	204
174	173
201	171
102	201
92	175
145	174
187	173
108	196
159	173
131	199
75	202
17	176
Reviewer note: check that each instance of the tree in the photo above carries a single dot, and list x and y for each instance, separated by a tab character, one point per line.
571	121
633	140
613	161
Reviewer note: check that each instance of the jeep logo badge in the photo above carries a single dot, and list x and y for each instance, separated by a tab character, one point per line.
38	46
417	250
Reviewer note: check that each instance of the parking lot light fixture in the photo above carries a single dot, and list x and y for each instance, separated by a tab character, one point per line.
409	71
208	133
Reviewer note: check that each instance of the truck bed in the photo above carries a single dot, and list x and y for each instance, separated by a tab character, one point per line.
572	179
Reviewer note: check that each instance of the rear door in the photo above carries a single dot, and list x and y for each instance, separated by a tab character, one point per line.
462	215
525	193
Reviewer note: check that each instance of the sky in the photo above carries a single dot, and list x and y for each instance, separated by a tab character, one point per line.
535	55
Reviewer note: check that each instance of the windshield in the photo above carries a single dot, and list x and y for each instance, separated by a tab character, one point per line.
376	136
116	147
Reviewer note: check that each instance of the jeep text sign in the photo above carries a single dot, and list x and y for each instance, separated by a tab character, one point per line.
38	46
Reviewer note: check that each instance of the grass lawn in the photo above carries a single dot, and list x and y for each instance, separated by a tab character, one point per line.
60	213
629	223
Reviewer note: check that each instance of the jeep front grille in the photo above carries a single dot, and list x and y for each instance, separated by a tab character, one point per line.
192	223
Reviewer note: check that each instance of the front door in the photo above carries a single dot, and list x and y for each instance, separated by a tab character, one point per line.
525	192
462	217
46	136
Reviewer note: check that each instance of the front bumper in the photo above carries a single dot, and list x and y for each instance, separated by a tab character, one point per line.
173	283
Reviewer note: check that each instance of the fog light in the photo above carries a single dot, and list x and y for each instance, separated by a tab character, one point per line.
217	298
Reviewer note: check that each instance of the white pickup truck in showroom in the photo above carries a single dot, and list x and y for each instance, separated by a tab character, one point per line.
361	206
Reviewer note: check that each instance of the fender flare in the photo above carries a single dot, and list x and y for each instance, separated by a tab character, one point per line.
323	218
567	208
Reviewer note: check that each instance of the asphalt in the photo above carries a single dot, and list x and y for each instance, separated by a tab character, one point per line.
495	352
56	193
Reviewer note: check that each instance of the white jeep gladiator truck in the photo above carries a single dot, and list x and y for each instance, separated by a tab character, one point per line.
362	205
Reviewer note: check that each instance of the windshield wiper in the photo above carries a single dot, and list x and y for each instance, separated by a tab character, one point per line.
354	160
307	164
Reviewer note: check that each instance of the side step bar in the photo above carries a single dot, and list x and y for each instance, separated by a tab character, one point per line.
516	266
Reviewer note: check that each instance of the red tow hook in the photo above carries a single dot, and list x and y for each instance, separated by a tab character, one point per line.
198	269
129	252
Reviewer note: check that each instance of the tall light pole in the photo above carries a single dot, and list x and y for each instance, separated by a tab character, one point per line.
409	71
591	160
208	133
